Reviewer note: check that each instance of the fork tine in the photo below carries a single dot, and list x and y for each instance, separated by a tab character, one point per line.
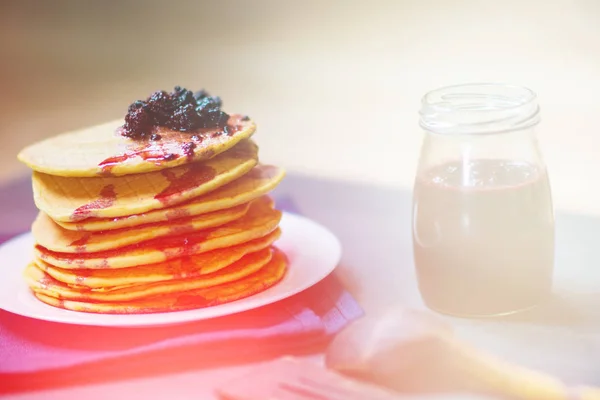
294	379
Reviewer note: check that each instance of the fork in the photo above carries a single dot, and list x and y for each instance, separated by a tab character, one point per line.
293	379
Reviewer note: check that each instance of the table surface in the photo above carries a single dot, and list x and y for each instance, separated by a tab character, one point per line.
561	337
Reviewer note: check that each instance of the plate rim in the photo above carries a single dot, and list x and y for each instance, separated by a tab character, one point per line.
258	300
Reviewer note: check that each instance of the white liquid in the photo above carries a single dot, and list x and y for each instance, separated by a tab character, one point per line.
483	236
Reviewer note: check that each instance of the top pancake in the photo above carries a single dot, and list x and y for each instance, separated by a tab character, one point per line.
101	150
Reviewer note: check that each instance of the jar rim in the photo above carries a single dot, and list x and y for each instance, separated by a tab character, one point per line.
479	108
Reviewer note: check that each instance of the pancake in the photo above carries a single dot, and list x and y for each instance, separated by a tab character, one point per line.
102	150
40	282
259	181
141	218
53	237
72	199
266	277
179	268
260	220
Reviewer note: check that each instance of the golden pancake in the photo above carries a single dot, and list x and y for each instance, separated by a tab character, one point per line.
179	268
73	199
266	277
53	237
259	181
40	282
260	220
102	150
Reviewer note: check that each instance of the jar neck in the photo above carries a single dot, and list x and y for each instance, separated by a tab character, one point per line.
479	109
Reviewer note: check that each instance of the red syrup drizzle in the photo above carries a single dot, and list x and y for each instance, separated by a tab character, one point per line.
81	275
181	229
172	145
45	282
184	224
107	199
171	246
190	301
172	215
196	175
150	152
177	269
183	234
81	243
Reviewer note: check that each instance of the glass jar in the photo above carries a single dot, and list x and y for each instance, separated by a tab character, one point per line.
483	220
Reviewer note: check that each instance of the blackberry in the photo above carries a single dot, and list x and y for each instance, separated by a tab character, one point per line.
188	149
208	104
185	118
216	100
209	109
179	110
200	94
136	105
160	104
138	121
215	119
182	97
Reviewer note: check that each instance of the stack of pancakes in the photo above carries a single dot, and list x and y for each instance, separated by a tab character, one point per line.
130	226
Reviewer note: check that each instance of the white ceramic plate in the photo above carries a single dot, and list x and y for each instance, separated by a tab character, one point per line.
313	252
